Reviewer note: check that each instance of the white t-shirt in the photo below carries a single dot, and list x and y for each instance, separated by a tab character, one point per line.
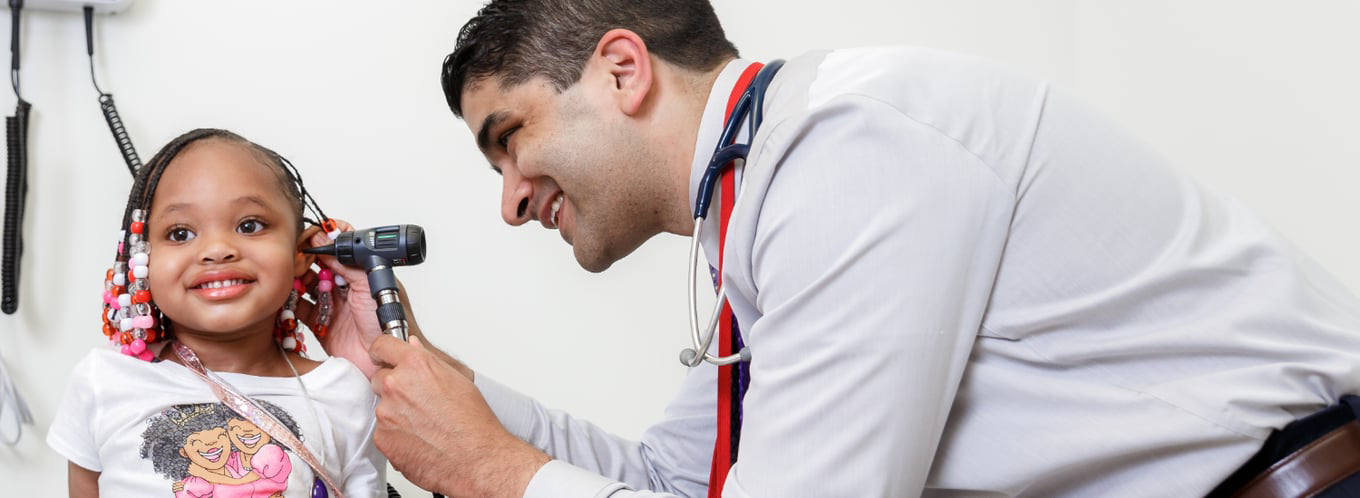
138	424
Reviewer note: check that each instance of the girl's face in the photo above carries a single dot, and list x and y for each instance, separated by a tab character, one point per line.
207	448
223	241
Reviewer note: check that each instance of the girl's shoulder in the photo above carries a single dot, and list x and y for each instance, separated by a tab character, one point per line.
340	371
101	362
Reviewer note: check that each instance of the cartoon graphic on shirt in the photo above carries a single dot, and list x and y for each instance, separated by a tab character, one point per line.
211	452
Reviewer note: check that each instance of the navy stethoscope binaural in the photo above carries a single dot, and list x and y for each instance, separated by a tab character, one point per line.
750	105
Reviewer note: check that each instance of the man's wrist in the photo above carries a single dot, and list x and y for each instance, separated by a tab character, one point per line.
508	474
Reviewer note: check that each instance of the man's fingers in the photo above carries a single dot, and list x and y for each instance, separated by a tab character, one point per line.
379	381
388	351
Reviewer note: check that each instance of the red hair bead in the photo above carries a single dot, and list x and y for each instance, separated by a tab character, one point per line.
142	297
137	227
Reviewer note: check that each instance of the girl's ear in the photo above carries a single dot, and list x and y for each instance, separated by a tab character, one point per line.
302	261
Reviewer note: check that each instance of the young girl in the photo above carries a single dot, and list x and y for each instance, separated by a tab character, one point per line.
204	392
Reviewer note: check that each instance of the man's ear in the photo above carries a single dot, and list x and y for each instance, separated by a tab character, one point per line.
624	56
302	261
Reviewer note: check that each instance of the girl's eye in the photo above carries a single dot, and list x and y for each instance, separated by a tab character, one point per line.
250	226
181	235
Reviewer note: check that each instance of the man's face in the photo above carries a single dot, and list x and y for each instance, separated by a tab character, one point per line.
571	161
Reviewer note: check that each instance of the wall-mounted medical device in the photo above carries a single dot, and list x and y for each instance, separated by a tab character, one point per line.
100	6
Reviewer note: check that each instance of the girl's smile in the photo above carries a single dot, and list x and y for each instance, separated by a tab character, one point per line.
221	285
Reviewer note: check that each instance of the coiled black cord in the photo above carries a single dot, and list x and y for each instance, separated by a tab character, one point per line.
16	189
16	177
120	134
106	106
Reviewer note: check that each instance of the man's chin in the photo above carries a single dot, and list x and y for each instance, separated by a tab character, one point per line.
593	259
594	265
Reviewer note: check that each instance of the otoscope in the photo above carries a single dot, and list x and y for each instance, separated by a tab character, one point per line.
377	251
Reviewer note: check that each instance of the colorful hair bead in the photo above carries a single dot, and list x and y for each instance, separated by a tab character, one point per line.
331	228
285	328
324	302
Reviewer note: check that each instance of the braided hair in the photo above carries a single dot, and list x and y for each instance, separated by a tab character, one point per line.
120	283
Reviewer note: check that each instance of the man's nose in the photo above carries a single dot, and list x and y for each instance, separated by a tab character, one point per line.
516	191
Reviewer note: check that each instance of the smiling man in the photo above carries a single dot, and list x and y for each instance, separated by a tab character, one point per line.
948	278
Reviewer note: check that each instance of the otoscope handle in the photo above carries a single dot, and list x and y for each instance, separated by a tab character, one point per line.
382	282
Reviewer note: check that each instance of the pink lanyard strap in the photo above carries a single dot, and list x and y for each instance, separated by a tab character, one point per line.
246	408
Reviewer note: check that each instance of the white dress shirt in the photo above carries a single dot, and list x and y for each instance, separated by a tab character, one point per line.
956	281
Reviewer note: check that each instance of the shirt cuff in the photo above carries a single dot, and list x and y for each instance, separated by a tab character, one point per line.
561	479
515	411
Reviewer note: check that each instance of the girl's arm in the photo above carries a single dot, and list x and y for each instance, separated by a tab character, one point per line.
81	482
206	475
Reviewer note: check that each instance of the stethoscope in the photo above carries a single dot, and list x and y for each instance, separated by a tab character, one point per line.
750	104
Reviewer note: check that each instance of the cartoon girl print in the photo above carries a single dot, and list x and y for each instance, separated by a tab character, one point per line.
255	454
210	452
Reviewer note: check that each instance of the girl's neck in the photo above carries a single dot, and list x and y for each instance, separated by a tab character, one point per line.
252	353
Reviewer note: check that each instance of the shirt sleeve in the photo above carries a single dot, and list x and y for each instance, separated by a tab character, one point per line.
271	463
70	434
871	261
672	459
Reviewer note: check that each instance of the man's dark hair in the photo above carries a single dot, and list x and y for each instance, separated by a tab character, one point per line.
515	40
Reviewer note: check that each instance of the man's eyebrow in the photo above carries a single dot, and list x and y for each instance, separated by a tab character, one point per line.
484	134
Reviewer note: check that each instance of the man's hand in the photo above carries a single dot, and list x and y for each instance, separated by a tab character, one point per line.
354	322
437	430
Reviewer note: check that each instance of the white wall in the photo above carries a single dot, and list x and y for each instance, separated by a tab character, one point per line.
1247	96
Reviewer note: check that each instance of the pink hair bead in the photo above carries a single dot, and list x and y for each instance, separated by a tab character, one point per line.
297	286
108	297
138	346
146	356
324	274
324	286
143	322
127	350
